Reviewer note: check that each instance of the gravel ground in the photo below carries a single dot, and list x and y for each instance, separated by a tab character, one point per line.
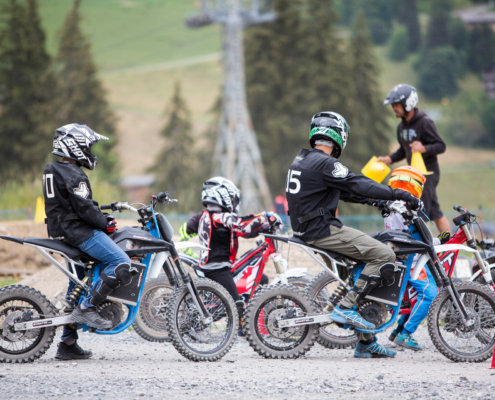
127	367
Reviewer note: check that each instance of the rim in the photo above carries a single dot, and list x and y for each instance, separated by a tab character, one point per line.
287	338
322	300
155	305
200	338
467	341
30	339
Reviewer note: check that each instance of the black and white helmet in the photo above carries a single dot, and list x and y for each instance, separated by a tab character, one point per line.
221	192
404	94
74	141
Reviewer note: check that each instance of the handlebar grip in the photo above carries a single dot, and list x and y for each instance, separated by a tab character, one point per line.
458	208
106	207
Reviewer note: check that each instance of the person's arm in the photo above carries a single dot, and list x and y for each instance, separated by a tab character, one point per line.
350	198
87	209
251	225
337	176
193	224
430	138
399	155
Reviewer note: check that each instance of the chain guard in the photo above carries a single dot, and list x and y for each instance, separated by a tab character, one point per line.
373	312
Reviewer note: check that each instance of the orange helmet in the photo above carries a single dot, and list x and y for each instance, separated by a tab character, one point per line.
409	179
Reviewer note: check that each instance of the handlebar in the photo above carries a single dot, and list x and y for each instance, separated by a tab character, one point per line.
118	206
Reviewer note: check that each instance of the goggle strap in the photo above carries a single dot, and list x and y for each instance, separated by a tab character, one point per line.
403	178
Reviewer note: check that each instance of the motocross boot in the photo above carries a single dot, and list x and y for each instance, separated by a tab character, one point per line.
72	352
90	317
373	350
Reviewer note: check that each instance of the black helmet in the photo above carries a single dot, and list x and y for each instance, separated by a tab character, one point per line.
74	141
329	125
404	94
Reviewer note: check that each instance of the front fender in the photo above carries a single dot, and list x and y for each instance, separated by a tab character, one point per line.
290	273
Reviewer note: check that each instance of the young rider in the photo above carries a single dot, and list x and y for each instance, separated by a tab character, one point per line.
412	180
75	218
315	183
218	227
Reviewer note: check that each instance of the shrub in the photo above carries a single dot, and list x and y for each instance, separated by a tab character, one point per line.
438	73
399	44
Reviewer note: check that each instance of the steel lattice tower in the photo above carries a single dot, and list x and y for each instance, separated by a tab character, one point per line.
237	155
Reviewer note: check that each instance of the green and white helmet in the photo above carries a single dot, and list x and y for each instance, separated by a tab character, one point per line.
329	125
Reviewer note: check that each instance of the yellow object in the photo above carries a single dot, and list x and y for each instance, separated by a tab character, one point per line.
418	162
376	170
39	214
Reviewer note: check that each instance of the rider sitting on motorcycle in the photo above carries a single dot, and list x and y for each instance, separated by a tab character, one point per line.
75	218
218	227
315	184
412	180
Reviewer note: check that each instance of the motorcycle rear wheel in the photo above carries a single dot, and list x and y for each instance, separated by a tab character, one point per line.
330	335
449	335
190	336
23	346
151	321
262	334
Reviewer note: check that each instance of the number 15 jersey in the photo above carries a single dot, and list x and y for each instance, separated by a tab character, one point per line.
316	182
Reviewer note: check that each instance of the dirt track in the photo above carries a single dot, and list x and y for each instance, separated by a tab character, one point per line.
127	367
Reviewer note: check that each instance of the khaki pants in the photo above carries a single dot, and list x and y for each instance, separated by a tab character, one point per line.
356	244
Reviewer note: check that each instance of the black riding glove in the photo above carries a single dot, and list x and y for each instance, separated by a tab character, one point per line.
412	202
444	237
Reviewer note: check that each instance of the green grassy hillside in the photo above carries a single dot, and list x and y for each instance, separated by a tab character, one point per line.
126	33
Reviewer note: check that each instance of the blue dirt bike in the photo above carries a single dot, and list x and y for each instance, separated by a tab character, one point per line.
201	316
283	322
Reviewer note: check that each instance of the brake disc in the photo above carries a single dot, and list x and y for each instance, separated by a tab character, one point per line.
8	326
467	332
272	325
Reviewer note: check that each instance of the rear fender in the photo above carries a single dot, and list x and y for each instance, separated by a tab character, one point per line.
290	273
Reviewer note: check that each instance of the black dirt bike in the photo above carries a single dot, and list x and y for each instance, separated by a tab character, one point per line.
284	322
28	320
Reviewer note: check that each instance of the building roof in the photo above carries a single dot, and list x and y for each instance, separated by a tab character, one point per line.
482	14
137	181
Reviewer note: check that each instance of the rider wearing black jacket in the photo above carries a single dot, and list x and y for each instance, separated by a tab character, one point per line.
74	217
315	183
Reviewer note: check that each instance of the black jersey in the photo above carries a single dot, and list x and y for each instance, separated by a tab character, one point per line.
71	213
315	184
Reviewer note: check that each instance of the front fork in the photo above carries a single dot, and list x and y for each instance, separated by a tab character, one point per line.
481	263
188	282
443	280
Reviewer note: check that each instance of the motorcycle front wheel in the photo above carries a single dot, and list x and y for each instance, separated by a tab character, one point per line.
190	335
151	319
454	339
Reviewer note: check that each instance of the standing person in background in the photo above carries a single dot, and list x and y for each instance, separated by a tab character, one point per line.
418	133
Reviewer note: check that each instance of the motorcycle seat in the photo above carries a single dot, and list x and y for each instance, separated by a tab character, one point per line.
72	252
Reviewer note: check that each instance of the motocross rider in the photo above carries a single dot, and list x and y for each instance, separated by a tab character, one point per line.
412	180
218	227
75	218
316	181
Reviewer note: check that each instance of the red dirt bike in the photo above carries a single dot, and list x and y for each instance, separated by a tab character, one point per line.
332	337
247	270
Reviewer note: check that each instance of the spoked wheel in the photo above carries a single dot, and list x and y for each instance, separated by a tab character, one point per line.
451	336
151	319
261	321
195	338
331	336
22	303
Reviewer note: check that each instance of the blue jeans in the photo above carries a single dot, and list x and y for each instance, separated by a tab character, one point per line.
102	248
427	289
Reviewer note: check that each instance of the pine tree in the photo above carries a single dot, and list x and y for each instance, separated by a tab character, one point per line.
368	126
295	67
25	92
379	16
410	18
481	48
176	167
80	95
438	34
